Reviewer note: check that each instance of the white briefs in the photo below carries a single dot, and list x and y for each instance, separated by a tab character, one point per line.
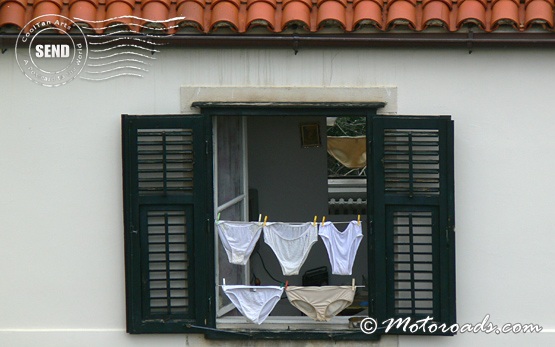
239	239
291	243
254	302
342	246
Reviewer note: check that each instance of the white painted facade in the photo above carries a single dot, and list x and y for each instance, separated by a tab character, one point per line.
61	221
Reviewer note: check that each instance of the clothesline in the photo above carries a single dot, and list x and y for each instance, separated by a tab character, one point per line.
334	222
227	285
285	284
314	221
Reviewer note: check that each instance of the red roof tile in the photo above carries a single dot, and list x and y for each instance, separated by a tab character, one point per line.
277	16
368	13
261	13
538	12
472	12
436	13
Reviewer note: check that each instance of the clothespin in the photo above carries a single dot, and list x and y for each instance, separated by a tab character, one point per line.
315	218
323	220
353	284
260	218
286	284
218	217
265	220
358	219
224	281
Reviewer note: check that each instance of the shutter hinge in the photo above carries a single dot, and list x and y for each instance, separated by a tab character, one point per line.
447	230
209	309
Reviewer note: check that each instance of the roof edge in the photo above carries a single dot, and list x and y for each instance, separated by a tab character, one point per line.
298	42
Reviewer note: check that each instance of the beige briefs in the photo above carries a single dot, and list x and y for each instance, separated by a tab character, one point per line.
320	303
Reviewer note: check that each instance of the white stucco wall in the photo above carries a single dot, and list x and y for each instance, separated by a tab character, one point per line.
61	232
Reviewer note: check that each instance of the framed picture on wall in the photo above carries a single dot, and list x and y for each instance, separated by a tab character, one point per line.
310	135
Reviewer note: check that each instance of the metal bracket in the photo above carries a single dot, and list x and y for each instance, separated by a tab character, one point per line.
470	41
296	45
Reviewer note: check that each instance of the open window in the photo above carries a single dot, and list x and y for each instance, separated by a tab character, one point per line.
284	172
250	159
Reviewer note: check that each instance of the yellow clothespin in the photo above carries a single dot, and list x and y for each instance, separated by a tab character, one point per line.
315	218
358	219
323	220
265	220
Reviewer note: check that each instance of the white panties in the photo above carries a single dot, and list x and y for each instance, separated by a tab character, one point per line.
254	302
342	246
291	244
239	239
320	303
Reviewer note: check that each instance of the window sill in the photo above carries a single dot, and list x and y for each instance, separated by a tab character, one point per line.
287	328
285	323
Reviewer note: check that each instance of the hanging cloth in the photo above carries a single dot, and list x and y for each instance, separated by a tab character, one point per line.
348	150
239	239
342	246
291	243
254	302
320	303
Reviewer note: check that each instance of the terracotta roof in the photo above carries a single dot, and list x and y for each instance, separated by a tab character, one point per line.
283	16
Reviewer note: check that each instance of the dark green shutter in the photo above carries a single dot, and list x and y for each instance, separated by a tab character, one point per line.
413	218
165	188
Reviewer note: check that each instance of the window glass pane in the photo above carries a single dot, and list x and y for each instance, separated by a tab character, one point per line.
346	160
233	274
346	146
230	158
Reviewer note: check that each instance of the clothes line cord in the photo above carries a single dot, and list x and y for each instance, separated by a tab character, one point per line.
265	269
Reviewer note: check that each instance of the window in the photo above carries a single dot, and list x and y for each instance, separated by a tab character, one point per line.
182	171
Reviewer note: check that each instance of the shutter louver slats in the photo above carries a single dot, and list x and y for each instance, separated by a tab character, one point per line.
411	161
413	263
165	161
168	265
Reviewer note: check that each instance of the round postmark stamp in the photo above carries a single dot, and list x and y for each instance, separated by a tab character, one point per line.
51	50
